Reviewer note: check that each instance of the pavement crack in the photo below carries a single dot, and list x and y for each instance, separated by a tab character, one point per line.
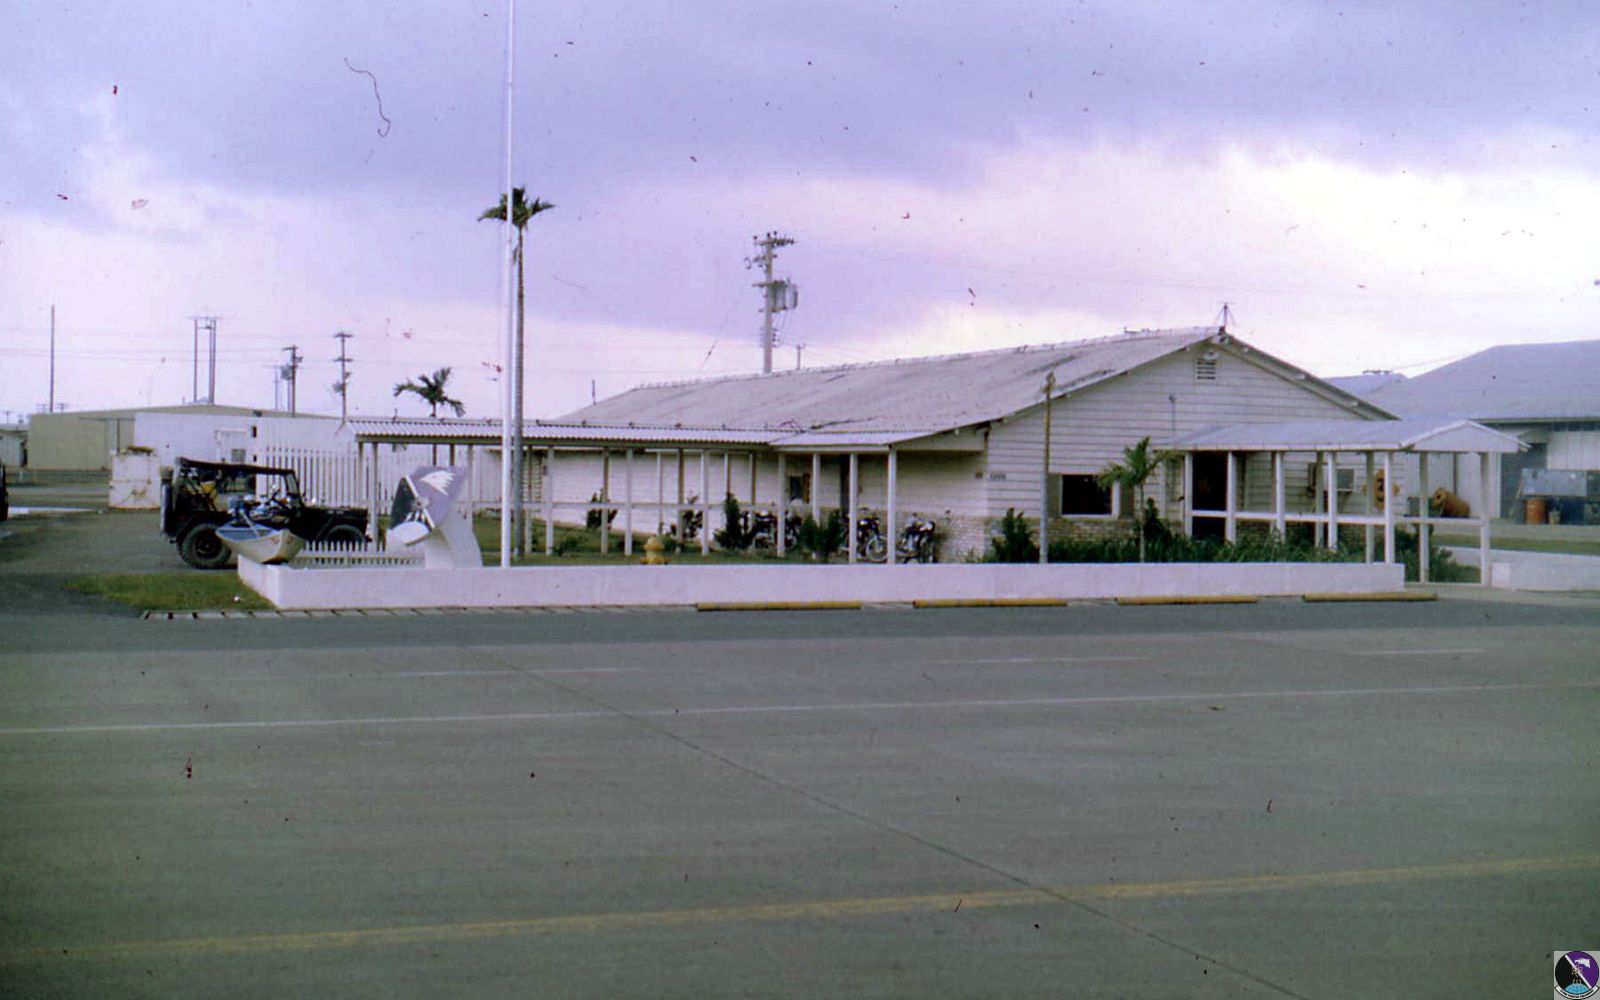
912	836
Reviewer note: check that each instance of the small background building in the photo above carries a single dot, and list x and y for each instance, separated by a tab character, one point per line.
1548	395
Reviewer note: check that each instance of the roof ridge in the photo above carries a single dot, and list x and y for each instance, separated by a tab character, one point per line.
1127	335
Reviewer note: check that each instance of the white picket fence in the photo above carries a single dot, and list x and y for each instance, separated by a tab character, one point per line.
341	477
327	555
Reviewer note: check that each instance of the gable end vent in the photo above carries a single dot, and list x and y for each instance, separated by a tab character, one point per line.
1205	367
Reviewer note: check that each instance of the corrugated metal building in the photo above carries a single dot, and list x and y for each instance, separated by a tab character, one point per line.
1548	395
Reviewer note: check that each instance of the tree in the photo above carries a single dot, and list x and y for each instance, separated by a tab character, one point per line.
1138	464
522	212
431	390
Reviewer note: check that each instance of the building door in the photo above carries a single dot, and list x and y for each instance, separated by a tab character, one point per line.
1210	491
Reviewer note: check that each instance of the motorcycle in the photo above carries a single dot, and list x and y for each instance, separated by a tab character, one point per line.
870	543
761	527
916	542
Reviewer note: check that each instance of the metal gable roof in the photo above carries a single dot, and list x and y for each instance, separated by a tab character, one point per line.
1510	382
915	396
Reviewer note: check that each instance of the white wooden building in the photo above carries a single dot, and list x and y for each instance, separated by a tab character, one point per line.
958	439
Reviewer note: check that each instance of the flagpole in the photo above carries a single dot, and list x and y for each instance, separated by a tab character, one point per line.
508	489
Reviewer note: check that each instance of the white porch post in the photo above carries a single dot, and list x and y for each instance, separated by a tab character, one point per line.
677	515
727	473
854	487
1280	520
1333	501
372	494
1366	529
548	489
752	477
891	530
1188	494
627	500
605	500
816	486
705	503
1388	507
782	501
1424	532
661	494
1485	467
1230	523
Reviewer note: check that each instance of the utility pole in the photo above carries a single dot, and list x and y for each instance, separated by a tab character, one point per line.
290	372
342	387
1044	494
52	358
778	295
208	324
798	348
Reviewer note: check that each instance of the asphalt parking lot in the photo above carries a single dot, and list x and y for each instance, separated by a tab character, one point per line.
1272	800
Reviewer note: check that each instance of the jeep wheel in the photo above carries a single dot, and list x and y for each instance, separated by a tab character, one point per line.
203	549
345	536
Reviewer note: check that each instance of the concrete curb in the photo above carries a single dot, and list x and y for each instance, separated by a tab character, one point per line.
992	602
778	606
1397	595
1190	599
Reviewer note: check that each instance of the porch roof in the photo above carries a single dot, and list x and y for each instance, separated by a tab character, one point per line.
1413	435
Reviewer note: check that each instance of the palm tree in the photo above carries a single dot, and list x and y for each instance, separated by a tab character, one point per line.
1138	464
522	211
431	390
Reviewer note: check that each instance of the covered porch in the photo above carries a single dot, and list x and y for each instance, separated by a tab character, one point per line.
656	477
1344	472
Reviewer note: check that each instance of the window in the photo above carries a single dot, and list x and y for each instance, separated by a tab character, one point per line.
1081	496
800	488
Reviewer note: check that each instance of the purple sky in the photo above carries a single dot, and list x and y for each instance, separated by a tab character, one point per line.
1370	186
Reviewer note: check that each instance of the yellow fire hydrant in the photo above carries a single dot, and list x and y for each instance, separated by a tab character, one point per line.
654	551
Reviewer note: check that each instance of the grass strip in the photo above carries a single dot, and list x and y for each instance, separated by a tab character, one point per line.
197	591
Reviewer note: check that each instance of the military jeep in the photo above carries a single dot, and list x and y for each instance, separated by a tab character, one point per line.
199	497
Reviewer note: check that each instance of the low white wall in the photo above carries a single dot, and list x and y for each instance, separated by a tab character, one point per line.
1509	570
534	586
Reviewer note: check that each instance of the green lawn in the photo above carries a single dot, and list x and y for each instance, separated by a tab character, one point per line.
197	591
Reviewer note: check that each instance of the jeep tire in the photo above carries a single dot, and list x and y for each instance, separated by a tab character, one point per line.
202	548
346	535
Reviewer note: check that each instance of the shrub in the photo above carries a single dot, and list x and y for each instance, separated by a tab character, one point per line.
1015	542
822	540
1442	567
592	517
732	535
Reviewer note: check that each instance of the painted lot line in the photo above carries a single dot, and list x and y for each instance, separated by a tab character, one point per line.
859	706
827	909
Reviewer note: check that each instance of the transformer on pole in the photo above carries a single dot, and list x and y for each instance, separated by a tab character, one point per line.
778	294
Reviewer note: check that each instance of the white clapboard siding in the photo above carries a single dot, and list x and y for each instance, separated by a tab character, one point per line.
1159	400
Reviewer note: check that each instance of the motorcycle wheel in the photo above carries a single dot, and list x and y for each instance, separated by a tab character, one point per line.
875	550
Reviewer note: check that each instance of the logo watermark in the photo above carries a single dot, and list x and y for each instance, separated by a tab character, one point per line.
1577	975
